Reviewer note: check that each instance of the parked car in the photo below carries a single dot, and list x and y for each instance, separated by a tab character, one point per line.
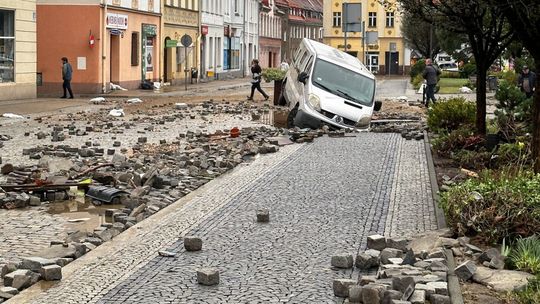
448	66
327	86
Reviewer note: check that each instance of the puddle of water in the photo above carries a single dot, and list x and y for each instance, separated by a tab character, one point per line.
276	118
90	215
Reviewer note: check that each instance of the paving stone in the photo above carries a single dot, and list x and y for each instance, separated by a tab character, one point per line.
208	276
18	279
192	243
35	263
465	271
418	297
397	243
402	284
389	253
51	273
390	295
377	242
263	215
439	299
366	261
429	290
355	294
344	261
372	294
8	292
440	287
341	287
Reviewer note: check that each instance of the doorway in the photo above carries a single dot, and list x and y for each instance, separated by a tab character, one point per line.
392	63
167	58
372	62
114	68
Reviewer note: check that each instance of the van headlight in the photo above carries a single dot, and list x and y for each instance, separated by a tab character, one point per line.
315	102
363	122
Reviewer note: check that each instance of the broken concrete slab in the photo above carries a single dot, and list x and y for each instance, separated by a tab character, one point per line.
501	280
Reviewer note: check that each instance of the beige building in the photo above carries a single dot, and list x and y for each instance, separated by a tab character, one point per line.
17	49
180	18
382	49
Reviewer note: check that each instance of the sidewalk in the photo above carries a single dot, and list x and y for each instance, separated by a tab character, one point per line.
81	102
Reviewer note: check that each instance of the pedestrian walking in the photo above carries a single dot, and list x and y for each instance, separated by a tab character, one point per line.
256	80
527	81
431	75
67	74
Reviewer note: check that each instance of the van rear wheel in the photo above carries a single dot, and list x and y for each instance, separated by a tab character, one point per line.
291	116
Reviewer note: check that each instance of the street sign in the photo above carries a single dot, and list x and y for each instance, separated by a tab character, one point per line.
352	17
171	43
186	40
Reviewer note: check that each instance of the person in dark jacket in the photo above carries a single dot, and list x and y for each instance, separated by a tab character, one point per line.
256	80
527	81
430	74
67	74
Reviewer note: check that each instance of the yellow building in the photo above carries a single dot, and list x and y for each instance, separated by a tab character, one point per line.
180	19
17	49
383	50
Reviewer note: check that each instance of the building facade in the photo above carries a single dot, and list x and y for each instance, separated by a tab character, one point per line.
305	20
180	21
270	31
106	41
17	49
382	49
230	37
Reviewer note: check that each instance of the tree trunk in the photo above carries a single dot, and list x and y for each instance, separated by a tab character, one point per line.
481	99
536	121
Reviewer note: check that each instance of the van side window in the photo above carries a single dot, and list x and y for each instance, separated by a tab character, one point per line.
302	62
298	58
297	54
309	65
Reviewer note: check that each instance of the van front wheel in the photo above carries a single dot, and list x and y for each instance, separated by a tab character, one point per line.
291	116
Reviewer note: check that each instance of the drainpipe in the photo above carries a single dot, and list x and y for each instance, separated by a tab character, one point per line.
103	44
245	43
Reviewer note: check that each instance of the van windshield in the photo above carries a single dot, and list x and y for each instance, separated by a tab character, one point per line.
343	82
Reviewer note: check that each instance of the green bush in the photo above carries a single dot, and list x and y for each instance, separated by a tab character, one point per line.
445	116
525	254
514	111
449	74
473	160
531	293
496	206
446	144
417	68
467	70
518	153
417	81
272	74
510	77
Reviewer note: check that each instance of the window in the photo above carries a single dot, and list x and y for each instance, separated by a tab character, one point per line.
7	46
389	19
372	19
336	20
134	49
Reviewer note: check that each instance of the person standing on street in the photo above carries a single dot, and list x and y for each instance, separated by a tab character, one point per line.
527	81
430	74
67	74
256	80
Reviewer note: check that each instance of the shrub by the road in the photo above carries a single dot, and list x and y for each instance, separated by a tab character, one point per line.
417	68
449	115
531	293
525	254
496	206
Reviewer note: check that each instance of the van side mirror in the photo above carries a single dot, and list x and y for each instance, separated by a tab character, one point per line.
302	77
378	105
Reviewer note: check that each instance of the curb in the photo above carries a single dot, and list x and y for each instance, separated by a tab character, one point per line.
454	289
439	214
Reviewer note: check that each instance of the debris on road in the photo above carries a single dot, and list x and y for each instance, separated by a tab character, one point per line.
11	115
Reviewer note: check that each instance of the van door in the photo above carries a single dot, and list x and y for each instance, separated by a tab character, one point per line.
298	86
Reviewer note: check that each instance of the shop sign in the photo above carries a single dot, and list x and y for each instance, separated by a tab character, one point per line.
171	43
117	21
149	53
149	30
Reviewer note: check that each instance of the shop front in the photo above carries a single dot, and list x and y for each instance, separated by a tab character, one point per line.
179	61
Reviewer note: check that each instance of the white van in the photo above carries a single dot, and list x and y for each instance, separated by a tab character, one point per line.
326	86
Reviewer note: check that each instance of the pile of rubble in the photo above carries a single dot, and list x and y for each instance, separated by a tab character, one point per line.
421	270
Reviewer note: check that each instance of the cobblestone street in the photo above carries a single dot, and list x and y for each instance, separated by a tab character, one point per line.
323	198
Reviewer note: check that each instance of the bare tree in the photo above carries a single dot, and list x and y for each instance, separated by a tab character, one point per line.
420	35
